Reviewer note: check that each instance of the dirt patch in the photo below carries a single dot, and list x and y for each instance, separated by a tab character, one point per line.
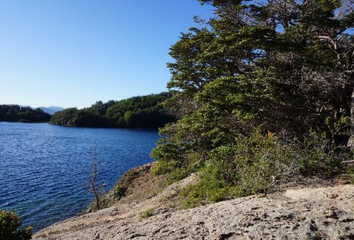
137	184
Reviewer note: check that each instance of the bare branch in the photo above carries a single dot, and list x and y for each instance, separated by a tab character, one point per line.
93	186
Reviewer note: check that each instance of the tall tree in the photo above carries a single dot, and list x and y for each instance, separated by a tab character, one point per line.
281	64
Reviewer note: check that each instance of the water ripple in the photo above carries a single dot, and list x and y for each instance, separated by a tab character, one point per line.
43	167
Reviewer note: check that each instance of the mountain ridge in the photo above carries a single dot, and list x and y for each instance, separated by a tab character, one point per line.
51	110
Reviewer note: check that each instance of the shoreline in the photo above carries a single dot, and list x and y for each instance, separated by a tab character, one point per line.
147	205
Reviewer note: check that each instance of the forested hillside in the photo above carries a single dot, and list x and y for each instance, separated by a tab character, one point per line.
262	92
16	113
136	112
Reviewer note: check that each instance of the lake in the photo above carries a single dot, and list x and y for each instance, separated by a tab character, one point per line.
43	168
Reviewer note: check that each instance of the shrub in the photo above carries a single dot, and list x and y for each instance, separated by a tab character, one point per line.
253	163
248	164
350	173
176	170
245	168
9	224
146	214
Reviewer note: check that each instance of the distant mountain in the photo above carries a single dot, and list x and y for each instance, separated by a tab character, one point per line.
51	110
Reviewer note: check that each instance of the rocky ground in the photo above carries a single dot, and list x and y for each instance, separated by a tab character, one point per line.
316	212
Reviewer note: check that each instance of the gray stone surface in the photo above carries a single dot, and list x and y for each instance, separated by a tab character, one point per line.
310	213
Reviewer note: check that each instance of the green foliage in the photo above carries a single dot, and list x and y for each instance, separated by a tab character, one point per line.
283	68
9	224
253	163
136	112
174	172
248	167
16	113
146	214
119	192
350	172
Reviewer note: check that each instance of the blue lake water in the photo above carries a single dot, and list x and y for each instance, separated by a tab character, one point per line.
43	168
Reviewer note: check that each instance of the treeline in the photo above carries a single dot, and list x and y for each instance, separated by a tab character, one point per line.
135	112
263	93
16	113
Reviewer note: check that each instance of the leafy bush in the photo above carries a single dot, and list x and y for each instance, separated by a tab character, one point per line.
246	168
350	172
9	224
253	163
177	169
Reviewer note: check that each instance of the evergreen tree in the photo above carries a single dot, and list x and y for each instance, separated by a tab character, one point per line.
283	67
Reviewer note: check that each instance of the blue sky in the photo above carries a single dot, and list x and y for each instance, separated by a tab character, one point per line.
72	53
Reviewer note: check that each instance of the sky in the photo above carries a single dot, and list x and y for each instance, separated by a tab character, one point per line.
72	53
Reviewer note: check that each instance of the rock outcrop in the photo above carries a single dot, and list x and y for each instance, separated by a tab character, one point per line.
308	213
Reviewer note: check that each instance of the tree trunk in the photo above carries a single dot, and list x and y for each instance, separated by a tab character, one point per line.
97	197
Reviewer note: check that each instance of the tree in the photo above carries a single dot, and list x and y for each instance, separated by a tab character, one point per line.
130	113
9	224
283	67
93	185
16	113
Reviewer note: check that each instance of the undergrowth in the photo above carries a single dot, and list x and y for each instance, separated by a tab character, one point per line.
252	164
